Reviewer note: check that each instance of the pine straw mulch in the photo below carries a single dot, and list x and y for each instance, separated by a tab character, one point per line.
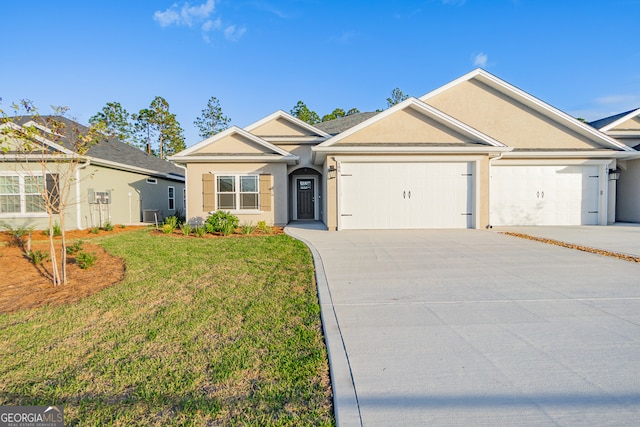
602	252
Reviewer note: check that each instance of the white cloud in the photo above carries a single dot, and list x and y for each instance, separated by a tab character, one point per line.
454	2
480	60
187	15
616	99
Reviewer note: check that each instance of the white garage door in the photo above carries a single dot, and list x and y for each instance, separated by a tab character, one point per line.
544	195
406	195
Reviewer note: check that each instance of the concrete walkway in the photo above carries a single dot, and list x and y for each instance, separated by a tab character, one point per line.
471	327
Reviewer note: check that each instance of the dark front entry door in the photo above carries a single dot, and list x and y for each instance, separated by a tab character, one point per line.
306	200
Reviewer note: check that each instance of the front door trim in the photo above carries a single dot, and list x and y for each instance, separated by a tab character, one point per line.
316	204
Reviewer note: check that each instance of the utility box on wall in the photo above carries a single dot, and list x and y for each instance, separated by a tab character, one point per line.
99	197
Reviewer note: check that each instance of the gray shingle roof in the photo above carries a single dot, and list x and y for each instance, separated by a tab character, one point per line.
600	123
113	150
336	126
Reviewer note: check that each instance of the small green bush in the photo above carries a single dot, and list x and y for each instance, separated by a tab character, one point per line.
200	231
57	231
122	226
221	222
186	228
94	230
17	234
37	257
167	228
264	228
108	226
75	248
86	259
248	228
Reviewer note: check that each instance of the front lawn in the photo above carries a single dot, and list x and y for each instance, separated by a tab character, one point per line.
201	332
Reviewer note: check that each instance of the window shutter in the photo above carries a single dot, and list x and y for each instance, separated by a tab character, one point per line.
53	192
265	193
208	192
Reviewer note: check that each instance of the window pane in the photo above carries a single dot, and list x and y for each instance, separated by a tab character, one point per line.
171	190
9	185
249	201
9	204
35	203
226	201
248	184
33	184
226	184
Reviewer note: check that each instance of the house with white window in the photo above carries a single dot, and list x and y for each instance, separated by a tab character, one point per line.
112	181
474	153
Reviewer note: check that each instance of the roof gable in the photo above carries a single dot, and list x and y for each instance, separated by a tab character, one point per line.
281	124
515	117
411	122
628	121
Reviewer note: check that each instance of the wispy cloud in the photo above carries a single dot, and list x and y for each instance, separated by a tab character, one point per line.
189	15
454	2
616	99
480	60
344	38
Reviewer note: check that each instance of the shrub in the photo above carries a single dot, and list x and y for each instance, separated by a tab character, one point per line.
263	227
56	230
247	228
17	234
186	228
200	231
86	259
94	230
75	248
37	257
170	224
222	222
167	228
122	226
108	226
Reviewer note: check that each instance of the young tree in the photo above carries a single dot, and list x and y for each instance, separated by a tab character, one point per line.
302	112
339	112
212	120
116	120
49	149
157	126
396	97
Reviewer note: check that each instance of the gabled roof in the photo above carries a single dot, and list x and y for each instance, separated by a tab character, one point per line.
480	141
611	122
271	153
109	152
313	131
533	103
341	124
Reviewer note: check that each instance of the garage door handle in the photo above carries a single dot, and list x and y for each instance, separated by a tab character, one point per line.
537	194
542	194
409	194
404	194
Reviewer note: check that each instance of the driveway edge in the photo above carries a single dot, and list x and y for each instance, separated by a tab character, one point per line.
345	400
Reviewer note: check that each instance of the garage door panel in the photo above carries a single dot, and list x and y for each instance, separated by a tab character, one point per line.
544	195
406	195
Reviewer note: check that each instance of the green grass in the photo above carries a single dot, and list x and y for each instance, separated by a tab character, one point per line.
201	332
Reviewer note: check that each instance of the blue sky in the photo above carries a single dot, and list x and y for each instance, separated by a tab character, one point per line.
258	56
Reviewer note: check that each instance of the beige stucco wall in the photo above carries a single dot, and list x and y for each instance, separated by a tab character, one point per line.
631	124
405	126
278	214
505	119
628	193
131	194
280	127
233	144
481	190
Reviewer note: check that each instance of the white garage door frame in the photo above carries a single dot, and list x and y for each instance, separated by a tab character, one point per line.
603	165
473	160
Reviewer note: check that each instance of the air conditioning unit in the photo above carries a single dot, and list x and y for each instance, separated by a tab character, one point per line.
151	215
99	197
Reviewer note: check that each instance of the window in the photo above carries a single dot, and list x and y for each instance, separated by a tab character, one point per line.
172	198
21	194
237	192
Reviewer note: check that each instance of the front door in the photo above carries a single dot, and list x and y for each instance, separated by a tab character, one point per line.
306	199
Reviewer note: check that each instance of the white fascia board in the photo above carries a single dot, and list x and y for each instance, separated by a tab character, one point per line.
573	154
284	115
290	159
429	111
121	166
225	133
294	140
621	120
320	153
532	102
45	141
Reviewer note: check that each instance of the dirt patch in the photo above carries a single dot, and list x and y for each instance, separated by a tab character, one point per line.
573	246
25	285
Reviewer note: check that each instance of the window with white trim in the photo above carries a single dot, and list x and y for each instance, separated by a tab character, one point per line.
172	198
21	194
184	198
237	192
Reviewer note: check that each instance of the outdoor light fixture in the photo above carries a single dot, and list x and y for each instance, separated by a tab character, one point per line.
332	172
614	174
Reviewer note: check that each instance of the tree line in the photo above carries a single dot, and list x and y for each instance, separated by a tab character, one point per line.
157	131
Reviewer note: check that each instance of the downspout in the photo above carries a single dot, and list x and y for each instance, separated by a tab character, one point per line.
491	159
78	198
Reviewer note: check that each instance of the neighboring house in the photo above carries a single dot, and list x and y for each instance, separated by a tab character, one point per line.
625	127
113	182
474	153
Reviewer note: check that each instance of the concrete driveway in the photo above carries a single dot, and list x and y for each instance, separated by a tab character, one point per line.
471	327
